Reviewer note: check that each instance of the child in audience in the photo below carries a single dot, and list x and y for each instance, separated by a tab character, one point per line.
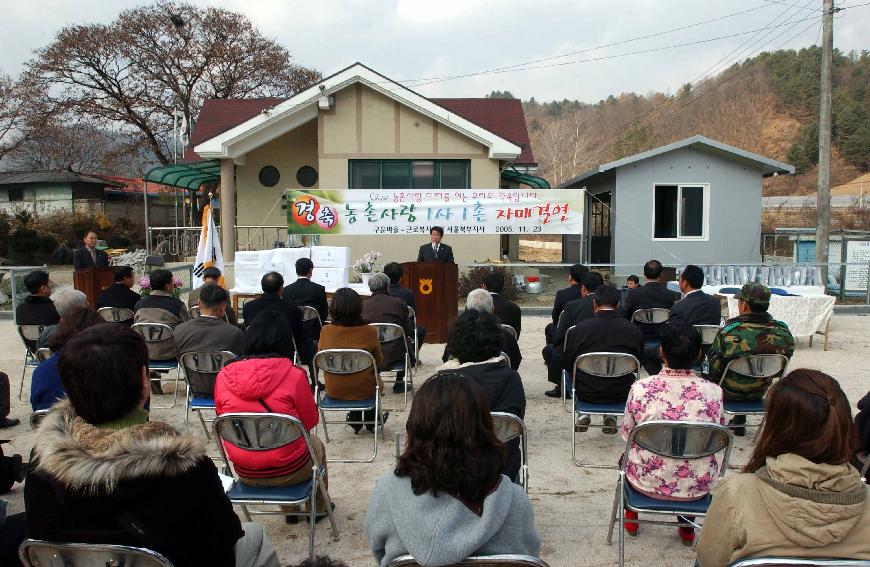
632	281
798	496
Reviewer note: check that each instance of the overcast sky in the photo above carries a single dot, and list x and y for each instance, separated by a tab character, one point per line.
418	39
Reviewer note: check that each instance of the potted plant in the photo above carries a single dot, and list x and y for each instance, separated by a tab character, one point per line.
367	265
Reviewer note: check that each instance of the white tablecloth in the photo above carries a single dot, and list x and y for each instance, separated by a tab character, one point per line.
804	314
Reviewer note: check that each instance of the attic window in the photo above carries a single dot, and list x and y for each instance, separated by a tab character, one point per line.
680	212
405	174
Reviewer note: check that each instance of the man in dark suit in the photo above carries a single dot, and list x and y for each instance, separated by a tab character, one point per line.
436	251
575	311
88	256
654	293
394	271
38	308
696	307
563	296
212	275
607	331
120	294
481	300
305	292
382	307
507	311
273	284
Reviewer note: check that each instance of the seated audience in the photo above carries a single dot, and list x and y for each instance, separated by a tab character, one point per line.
13	528
45	386
475	343
446	498
102	472
273	285
394	271
632	281
676	393
306	292
563	296
212	275
381	307
797	496
65	299
209	332
653	294
754	331
120	294
607	331
160	307
349	330
696	307
266	381
575	311
862	425
481	300
37	308
6	403
507	311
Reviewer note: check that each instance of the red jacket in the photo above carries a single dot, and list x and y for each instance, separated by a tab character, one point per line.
284	388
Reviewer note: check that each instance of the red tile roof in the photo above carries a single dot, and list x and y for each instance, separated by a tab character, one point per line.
135	186
503	117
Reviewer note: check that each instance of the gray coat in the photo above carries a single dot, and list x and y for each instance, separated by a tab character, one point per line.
442	530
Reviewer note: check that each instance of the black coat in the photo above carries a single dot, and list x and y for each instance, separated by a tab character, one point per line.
36	310
82	258
273	302
426	254
607	331
305	292
403	293
697	308
118	295
649	296
575	311
563	296
508	311
384	308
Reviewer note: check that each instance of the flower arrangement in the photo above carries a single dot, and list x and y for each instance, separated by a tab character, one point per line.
368	264
145	286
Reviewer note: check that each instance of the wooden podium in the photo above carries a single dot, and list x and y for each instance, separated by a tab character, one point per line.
91	281
436	295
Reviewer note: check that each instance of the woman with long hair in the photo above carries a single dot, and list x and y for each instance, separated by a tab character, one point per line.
446	498
798	496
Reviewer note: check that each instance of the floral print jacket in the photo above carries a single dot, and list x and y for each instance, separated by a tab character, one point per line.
672	395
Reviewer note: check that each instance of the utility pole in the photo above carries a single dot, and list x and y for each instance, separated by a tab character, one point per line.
823	195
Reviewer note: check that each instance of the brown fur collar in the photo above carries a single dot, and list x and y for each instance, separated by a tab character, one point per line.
86	458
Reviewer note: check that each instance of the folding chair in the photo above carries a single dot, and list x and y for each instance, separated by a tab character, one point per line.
651	316
29	335
505	358
604	365
115	314
194	312
708	335
310	314
36	418
264	432
646	317
38	553
412	317
388	333
565	376
43	354
767	367
865	468
507	428
503	560
207	365
510	330
155	333
799	562
341	362
674	439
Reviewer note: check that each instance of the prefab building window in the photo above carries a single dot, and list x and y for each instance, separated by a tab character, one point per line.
680	211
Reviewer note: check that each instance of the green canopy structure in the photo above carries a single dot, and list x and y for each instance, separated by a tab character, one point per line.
525	179
188	176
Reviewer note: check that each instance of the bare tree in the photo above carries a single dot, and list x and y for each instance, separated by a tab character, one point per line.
130	76
17	114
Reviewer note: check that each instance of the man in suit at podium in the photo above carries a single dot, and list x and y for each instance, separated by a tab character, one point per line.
88	256
436	251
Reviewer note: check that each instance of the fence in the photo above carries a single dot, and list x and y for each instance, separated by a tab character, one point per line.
182	241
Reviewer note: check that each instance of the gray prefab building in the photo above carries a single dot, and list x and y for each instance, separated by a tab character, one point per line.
693	201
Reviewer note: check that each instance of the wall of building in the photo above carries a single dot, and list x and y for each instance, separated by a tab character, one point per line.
39	198
734	209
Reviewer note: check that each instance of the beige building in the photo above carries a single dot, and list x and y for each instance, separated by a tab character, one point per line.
360	130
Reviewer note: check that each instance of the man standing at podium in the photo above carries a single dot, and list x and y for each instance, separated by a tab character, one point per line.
436	251
88	256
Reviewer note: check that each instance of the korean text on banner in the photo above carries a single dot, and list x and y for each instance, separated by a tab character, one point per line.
459	211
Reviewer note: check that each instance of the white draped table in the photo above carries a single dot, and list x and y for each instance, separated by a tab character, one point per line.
805	315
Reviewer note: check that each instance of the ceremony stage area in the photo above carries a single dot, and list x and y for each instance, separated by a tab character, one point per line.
571	504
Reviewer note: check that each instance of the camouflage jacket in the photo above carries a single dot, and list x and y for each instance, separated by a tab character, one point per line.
753	333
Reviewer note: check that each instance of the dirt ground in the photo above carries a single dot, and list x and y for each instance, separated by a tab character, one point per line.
572	505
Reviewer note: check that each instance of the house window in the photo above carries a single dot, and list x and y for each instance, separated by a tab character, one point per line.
16	194
680	211
407	174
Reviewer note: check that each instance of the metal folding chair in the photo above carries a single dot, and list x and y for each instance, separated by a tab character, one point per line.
310	314
508	427
412	317
29	335
194	312
799	562
339	363
505	358
503	560
115	314
674	439
388	333
43	354
604	365
708	334
264	432
565	376
154	333
766	367
865	468
207	365
651	316
38	553
36	418
511	330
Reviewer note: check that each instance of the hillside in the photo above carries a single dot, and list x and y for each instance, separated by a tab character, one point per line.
767	104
